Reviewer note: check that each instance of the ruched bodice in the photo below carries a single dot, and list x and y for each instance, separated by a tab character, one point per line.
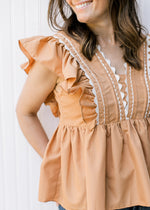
98	157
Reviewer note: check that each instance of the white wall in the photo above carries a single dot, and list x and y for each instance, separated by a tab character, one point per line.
19	163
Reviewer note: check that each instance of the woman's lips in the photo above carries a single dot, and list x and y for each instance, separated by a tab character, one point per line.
83	5
82	2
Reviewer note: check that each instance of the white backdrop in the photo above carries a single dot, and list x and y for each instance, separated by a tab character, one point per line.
19	163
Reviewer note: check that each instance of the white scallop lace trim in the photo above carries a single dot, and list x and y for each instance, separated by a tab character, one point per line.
117	78
112	83
127	97
148	55
146	70
148	58
90	81
132	93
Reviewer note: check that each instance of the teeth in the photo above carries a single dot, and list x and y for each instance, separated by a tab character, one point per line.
83	5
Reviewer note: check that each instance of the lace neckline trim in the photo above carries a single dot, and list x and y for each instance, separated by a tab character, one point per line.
109	62
118	76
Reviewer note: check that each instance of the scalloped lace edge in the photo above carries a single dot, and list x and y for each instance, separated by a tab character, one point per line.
125	103
148	55
147	68
114	71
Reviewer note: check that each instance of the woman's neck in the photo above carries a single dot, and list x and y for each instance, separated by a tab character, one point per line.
104	31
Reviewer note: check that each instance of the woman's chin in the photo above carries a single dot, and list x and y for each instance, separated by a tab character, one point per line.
83	19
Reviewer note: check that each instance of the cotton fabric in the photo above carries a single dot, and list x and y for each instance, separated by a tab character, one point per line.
129	208
98	158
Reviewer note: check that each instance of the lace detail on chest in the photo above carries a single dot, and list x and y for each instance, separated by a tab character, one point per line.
124	90
119	78
148	55
147	70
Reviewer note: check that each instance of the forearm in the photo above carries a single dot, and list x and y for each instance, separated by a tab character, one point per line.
34	132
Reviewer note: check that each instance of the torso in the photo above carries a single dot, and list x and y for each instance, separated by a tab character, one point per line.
105	87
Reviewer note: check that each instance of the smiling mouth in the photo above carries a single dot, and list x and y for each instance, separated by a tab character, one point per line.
83	5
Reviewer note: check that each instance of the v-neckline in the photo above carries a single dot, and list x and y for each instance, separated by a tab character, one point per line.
117	77
109	62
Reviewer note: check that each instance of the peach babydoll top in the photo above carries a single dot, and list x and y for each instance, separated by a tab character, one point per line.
98	158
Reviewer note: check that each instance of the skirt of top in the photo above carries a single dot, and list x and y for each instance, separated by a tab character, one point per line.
129	208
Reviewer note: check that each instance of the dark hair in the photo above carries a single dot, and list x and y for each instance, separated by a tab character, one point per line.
126	25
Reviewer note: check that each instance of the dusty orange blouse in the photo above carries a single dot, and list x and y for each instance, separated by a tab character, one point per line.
99	155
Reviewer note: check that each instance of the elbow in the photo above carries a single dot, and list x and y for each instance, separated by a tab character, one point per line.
20	111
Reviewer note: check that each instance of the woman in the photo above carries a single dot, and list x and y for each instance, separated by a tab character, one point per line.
94	74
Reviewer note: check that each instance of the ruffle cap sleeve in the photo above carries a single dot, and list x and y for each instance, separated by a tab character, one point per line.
44	49
71	71
51	53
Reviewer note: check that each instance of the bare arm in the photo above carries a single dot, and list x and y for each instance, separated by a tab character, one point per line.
39	83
